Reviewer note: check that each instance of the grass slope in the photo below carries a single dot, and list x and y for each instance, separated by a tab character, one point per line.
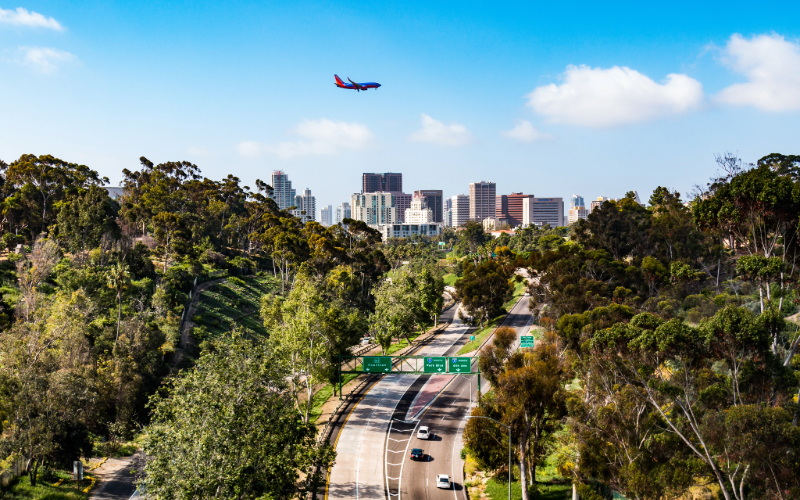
234	302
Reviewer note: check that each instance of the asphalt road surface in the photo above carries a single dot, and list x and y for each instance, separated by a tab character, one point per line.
375	438
445	417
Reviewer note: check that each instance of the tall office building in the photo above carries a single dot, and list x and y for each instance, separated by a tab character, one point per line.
376	183
541	211
326	215
374	208
282	191
508	208
459	210
482	200
434	199
342	213
306	206
577	209
419	213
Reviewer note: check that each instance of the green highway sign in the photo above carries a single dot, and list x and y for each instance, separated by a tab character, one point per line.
472	338
459	365
435	365
377	364
527	341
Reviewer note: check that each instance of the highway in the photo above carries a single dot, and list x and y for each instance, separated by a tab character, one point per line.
445	417
379	430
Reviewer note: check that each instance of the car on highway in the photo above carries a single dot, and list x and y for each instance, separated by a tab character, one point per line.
417	454
423	433
443	481
365	341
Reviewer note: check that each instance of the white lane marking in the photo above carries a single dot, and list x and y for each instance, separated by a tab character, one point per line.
400	483
399	440
394	451
455	442
405	430
364	431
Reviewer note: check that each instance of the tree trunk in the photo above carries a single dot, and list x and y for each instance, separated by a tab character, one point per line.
523	473
119	315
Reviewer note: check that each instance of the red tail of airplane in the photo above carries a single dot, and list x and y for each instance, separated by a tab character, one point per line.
339	81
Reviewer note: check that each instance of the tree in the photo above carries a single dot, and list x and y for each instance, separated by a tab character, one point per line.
700	386
308	333
471	237
50	391
620	227
85	217
397	309
119	278
228	428
430	287
484	289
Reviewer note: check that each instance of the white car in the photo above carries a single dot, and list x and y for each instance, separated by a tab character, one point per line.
423	433
365	341
443	481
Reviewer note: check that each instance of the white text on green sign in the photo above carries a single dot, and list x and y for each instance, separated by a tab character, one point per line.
435	365
377	364
459	365
527	341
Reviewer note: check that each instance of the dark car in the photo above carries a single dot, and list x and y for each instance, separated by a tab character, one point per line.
416	454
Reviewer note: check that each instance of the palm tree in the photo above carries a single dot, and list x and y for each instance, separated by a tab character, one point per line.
118	278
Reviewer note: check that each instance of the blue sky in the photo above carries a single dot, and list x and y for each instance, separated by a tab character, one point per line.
549	99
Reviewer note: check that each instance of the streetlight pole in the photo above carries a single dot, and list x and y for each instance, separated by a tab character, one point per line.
509	448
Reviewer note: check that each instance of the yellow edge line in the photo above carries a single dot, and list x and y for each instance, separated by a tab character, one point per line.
335	443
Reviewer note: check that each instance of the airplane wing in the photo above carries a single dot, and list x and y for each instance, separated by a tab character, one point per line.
354	83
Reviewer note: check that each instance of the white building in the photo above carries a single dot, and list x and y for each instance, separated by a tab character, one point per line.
459	210
342	212
577	209
326	216
541	211
282	191
419	213
306	206
406	230
594	204
373	208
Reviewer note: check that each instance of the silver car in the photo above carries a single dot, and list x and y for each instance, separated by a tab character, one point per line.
443	481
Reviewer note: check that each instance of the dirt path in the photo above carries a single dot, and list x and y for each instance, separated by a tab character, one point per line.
186	339
115	479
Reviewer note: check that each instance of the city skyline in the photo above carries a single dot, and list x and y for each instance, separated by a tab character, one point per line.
469	91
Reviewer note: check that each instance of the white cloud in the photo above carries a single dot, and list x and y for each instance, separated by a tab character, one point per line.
771	65
22	17
596	97
317	137
44	59
524	131
437	132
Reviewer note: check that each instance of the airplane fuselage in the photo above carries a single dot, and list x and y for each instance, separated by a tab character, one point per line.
355	86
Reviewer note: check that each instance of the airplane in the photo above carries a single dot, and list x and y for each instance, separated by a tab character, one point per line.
355	86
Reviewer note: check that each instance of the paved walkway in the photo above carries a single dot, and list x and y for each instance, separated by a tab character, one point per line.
115	479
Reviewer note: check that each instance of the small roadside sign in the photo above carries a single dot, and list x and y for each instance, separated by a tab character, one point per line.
459	365
377	364
527	341
435	365
472	338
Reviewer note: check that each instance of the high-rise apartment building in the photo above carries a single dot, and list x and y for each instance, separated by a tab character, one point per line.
402	202
482	200
376	183
419	213
541	211
435	201
508	208
577	209
374	208
596	203
306	206
342	213
282	191
326	216
459	210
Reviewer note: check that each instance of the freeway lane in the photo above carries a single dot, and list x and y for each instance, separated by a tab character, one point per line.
445	417
359	472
